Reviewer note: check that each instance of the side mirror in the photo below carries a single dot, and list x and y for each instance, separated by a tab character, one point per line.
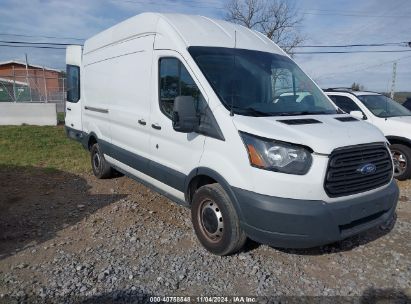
358	114
185	118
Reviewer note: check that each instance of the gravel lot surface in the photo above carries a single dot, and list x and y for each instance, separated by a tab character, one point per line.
73	238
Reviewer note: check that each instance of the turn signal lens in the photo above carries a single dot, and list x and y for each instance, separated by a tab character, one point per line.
255	157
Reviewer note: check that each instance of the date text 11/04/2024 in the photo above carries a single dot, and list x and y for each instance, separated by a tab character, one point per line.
203	299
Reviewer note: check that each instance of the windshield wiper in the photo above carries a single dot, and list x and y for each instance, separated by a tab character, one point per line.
252	111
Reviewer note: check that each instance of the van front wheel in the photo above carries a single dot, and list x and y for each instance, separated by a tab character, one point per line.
402	161
215	221
101	168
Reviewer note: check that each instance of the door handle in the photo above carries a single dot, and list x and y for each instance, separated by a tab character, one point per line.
68	109
142	122
156	126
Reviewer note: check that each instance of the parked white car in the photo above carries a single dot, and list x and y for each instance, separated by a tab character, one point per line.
389	116
218	118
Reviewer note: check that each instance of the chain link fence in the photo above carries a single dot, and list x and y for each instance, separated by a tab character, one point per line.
33	85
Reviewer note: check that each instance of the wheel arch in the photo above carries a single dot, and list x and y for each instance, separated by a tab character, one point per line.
202	176
89	141
399	140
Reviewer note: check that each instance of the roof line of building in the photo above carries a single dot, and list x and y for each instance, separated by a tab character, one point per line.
30	65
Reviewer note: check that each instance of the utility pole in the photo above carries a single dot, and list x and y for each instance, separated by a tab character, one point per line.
45	85
394	76
27	77
14	85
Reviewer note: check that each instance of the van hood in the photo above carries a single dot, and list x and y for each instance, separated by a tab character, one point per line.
322	137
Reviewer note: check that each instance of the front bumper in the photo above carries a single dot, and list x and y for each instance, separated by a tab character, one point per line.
291	223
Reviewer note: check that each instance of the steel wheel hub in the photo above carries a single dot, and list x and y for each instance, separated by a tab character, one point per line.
211	220
96	160
400	162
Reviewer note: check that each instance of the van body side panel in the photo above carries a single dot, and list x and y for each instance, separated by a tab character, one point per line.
131	106
118	80
96	105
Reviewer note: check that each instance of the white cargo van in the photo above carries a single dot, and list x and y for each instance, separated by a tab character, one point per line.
217	117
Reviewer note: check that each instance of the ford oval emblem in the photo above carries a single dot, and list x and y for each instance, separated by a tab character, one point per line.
367	169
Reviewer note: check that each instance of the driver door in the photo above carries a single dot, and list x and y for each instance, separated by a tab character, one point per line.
174	155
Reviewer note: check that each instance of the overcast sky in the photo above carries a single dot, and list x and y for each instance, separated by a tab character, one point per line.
325	22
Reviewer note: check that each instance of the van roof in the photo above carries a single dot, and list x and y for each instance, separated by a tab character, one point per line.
191	30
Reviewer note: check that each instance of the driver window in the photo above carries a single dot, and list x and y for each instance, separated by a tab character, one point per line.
175	81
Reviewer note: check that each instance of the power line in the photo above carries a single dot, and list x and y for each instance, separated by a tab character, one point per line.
368	24
314	52
192	4
33	46
366	67
335	10
350	52
39	36
214	5
404	43
358	15
186	2
35	43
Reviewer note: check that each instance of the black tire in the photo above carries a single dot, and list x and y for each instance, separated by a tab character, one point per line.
215	221
402	161
101	168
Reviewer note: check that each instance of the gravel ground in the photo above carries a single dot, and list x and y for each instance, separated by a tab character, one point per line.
72	238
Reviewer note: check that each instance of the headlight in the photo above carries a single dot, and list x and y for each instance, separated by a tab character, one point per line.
277	156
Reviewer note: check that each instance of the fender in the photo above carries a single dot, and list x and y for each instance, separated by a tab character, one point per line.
86	138
219	179
398	139
80	136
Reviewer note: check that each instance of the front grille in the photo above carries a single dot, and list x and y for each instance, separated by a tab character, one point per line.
344	176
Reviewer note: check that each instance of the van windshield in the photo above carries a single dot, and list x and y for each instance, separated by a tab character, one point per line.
383	106
255	83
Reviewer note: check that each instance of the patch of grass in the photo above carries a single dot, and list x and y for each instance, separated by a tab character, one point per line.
43	147
60	118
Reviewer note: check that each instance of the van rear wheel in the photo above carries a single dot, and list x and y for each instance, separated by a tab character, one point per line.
402	161
101	168
215	221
